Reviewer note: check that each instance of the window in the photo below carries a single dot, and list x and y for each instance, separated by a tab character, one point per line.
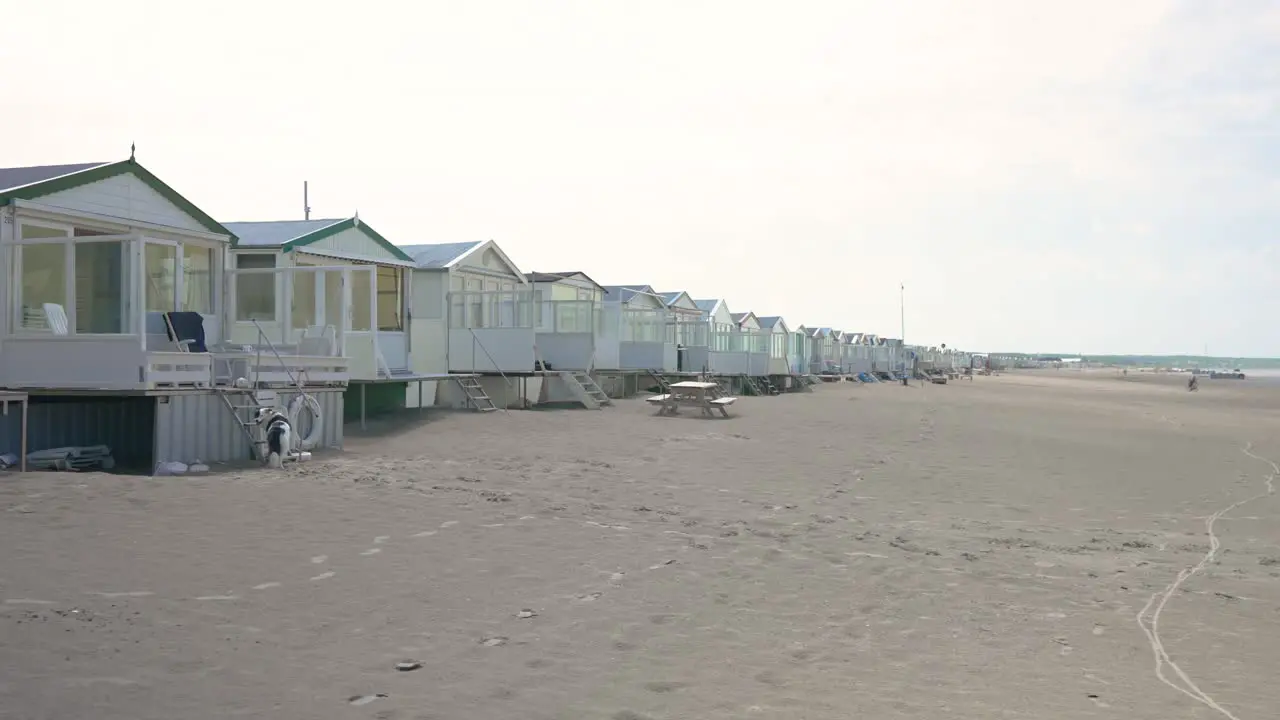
44	280
302	313
197	279
475	304
361	308
160	272
255	292
100	293
390	297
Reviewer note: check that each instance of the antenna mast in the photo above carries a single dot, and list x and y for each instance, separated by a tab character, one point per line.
306	205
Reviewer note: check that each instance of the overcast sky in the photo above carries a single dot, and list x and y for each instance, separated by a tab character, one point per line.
1043	176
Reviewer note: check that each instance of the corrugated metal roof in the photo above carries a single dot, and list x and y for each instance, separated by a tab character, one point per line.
276	232
11	178
438	255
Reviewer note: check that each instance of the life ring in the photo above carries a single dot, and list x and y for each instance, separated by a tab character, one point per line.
316	434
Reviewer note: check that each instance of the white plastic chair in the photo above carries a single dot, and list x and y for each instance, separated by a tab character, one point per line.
56	318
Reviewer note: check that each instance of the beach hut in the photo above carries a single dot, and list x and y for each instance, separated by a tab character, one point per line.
692	331
566	316
472	315
119	325
636	335
779	342
728	347
307	306
754	342
798	351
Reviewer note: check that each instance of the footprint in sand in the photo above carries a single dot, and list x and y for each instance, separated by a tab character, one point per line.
319	559
324	576
425	533
371	551
449	523
266	586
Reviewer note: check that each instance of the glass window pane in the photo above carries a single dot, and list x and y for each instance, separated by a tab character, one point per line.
361	310
303	311
160	270
37	232
44	280
255	292
100	294
390	298
197	279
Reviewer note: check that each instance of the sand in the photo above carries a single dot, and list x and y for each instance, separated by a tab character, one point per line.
974	550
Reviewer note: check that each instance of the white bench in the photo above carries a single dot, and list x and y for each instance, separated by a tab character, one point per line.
722	403
658	399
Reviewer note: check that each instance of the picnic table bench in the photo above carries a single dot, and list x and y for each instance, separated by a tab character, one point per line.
703	395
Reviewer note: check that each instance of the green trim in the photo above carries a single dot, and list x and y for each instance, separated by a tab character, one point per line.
110	170
348	224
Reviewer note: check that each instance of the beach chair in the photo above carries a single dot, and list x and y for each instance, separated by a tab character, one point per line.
186	330
318	341
55	317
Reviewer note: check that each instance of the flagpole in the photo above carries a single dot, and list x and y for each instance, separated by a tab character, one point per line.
902	311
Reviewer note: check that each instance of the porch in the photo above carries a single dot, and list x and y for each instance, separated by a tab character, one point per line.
646	340
136	313
491	332
566	333
740	352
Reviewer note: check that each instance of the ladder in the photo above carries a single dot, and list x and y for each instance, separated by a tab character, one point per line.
585	389
243	402
663	386
475	393
766	384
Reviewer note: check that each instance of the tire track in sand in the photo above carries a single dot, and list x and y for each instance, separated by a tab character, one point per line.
1149	617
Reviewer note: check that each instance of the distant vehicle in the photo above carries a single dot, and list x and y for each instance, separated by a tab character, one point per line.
1226	374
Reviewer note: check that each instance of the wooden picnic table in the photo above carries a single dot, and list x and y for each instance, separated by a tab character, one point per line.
703	395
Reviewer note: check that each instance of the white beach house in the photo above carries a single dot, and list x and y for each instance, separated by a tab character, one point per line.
115	322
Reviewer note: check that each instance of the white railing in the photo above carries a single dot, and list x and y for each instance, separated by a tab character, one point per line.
472	310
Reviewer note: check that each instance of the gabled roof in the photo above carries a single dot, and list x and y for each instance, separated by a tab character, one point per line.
708	306
552	277
740	318
444	256
30	183
291	234
441	255
671	298
623	293
772	321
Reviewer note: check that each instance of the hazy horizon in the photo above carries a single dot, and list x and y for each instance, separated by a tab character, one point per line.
1037	175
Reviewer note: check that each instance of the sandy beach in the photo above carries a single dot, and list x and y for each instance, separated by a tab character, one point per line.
976	550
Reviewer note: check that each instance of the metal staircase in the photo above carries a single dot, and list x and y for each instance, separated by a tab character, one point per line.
476	396
658	377
243	402
766	384
585	389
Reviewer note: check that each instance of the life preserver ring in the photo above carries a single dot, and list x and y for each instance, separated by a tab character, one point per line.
316	434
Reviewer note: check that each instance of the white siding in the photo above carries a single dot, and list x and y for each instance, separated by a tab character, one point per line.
487	257
123	196
353	242
684	302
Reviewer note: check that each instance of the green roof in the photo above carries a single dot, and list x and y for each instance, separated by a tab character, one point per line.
94	173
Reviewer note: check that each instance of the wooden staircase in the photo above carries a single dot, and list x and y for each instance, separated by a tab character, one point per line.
585	389
477	399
